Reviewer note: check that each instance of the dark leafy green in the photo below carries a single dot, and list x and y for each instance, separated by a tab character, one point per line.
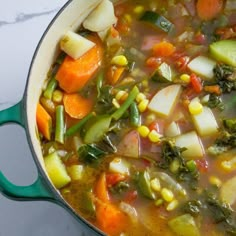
227	138
215	102
90	153
225	76
171	153
120	187
104	100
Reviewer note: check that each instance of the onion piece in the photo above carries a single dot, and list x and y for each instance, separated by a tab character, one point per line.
170	183
101	18
130	211
230	5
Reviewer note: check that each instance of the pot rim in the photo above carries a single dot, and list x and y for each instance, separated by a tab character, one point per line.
55	193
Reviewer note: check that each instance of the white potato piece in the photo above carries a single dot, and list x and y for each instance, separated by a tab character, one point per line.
227	191
102	17
192	142
75	45
172	130
205	122
164	100
202	66
119	165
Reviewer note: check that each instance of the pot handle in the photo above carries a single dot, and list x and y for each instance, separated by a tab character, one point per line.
38	190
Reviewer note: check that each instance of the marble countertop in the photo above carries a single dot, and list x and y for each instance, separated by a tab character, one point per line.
21	25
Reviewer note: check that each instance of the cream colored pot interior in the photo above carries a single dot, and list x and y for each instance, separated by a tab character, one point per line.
69	19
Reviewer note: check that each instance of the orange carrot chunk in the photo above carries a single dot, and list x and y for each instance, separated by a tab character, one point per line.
109	217
209	9
114	73
74	74
44	121
163	49
77	106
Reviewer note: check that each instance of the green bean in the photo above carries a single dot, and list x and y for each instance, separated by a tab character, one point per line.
52	84
75	128
100	79
60	124
123	108
135	118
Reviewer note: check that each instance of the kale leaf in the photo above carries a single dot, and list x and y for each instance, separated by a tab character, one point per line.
89	153
227	138
215	102
171	154
225	76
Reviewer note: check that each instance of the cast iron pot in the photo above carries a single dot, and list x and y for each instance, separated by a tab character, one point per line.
23	113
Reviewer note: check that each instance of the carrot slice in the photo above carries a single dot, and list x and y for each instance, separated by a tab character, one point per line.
100	190
163	49
77	106
110	218
114	73
209	9
74	74
44	121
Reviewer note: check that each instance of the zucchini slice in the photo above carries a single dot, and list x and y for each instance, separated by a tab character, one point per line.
224	51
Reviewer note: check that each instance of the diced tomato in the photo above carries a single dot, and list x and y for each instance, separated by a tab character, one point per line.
202	165
122	26
189	93
154	126
200	38
182	62
196	83
153	62
131	196
113	178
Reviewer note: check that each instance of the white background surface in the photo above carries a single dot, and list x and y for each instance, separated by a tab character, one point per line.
22	22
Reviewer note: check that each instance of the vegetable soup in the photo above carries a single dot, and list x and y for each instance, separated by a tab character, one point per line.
137	120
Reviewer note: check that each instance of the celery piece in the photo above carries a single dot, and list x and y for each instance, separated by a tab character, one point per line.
184	225
163	73
56	170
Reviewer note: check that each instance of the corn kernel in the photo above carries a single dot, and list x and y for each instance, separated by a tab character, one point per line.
159	202
115	103
229	165
145	83
172	205
215	181
140	97
138	10
154	136
195	107
143	131
120	94
167	195
185	78
119	60
128	18
155	184
150	118
142	106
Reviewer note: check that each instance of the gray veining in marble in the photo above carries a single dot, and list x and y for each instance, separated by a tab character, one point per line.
21	17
